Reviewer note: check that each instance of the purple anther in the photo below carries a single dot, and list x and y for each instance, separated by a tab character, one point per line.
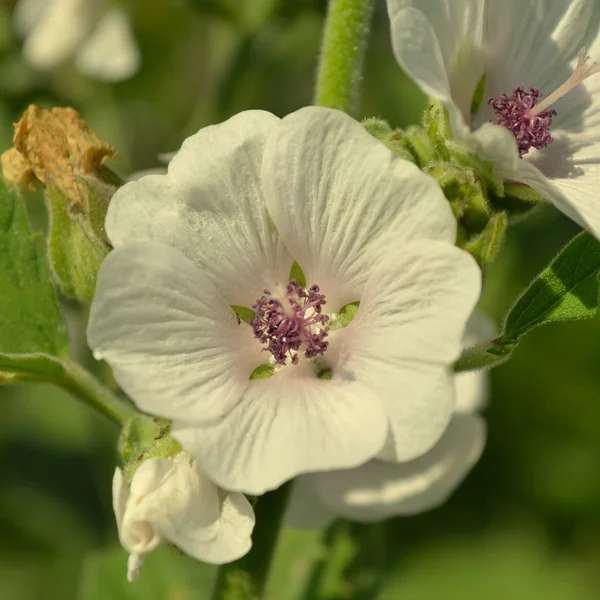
291	320
513	113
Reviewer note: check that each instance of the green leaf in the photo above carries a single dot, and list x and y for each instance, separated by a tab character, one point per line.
565	291
165	574
33	336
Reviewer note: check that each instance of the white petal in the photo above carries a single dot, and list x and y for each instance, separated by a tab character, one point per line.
171	338
532	42
186	508
27	14
284	426
120	495
337	195
55	38
134	564
111	53
406	336
210	206
233	539
305	509
378	490
575	174
418	52
472	386
439	44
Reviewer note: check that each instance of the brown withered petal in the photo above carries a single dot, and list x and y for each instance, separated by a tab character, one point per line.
59	146
16	170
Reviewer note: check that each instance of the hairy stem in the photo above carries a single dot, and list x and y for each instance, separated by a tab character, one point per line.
82	384
342	53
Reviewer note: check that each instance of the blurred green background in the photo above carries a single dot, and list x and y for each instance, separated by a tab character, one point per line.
526	523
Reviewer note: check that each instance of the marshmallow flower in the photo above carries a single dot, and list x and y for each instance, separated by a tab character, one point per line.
170	501
96	37
219	234
378	489
492	63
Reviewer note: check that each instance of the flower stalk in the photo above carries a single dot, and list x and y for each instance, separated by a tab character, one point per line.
245	579
82	384
344	43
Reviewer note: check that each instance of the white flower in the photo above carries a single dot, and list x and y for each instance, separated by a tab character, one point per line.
379	489
169	500
447	46
240	202
99	39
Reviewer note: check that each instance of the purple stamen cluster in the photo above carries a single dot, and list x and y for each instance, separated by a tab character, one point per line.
287	323
513	113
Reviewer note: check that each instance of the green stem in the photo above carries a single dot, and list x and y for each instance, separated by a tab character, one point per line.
342	54
245	579
485	356
82	384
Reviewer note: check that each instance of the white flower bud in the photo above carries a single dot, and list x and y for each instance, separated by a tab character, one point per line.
169	500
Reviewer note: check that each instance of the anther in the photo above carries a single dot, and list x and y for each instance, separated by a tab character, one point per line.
291	321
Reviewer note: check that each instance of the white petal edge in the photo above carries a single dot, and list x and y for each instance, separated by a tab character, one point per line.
210	206
417	51
285	426
379	490
472	387
173	342
406	336
576	197
337	195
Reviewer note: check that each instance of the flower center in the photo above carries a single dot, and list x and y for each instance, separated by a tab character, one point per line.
529	121
288	321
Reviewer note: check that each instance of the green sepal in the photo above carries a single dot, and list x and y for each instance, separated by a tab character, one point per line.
485	246
378	128
523	192
567	290
33	335
464	191
243	313
144	437
344	316
395	140
75	246
420	146
262	372
297	273
437	125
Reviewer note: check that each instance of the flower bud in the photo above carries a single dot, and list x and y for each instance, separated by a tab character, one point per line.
170	501
57	149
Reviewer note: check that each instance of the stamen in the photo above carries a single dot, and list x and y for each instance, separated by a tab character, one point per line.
291	320
514	113
582	71
529	121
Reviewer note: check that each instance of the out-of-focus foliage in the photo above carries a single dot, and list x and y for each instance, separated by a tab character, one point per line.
526	524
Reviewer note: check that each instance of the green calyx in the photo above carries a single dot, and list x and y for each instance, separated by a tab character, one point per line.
483	204
144	437
76	244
